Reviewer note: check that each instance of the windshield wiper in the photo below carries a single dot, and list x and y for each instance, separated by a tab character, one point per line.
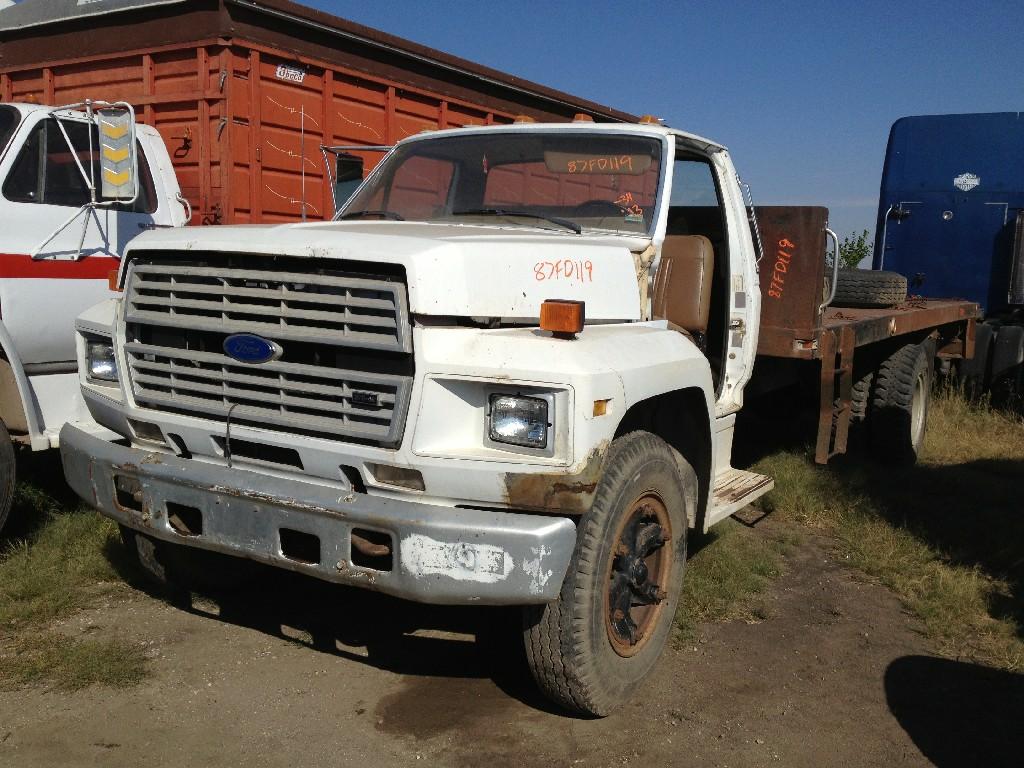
383	214
505	212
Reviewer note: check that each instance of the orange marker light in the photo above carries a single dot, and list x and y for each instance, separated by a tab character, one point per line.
521	119
564	318
649	120
581	117
112	281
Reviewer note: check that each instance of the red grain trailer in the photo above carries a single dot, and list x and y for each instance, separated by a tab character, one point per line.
245	92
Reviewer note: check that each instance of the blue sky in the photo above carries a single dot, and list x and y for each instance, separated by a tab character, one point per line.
803	94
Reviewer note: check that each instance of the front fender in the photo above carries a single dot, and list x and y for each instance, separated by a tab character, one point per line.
603	372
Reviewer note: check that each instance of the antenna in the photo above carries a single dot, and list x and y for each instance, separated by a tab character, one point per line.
302	155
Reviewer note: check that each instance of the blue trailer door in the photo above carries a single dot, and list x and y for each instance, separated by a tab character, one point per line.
950	246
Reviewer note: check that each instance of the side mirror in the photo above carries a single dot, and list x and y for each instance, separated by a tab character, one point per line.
118	161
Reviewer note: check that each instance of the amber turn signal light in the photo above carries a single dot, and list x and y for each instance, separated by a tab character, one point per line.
564	318
112	280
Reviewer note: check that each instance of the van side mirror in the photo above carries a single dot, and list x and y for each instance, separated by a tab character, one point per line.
117	154
118	163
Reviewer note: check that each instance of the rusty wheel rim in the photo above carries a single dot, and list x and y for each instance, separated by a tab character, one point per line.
636	583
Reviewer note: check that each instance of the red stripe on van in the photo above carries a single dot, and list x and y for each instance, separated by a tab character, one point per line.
20	265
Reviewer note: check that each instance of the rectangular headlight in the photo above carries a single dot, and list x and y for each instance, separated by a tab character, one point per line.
100	364
518	420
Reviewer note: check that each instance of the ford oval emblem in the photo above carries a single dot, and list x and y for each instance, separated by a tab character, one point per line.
250	348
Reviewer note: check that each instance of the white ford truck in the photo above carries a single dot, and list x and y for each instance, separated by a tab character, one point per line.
508	372
73	192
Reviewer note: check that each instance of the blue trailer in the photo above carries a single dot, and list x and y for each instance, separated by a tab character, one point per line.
951	219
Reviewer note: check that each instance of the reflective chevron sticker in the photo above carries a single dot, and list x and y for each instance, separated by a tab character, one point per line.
117	170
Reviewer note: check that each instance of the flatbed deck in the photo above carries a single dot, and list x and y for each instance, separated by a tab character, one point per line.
870	325
798	325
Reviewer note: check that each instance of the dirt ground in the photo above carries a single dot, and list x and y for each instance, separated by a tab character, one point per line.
308	674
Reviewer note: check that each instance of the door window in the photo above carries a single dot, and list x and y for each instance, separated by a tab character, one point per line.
45	170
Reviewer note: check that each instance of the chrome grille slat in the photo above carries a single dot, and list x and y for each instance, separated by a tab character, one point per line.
285	293
285	313
169	303
362	312
332	336
164	369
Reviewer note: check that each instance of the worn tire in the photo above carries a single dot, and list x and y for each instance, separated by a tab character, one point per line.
174	567
860	397
569	643
8	474
899	405
869	288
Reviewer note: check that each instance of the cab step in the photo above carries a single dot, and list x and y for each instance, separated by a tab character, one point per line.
734	489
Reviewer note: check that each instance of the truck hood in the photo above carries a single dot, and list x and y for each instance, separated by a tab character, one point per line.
452	269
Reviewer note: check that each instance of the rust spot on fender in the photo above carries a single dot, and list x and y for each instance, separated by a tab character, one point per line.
557	491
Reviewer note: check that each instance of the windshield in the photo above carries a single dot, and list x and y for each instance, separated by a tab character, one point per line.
573	181
9	119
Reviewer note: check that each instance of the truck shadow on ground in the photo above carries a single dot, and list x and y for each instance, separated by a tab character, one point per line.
958	713
410	639
423	642
971	514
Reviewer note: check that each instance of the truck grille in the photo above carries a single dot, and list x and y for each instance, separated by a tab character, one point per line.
346	367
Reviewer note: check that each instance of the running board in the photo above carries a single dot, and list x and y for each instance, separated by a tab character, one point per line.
734	489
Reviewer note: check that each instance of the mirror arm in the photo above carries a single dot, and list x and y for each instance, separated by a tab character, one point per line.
35	255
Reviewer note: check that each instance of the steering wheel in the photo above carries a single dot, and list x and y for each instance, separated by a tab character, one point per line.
599	208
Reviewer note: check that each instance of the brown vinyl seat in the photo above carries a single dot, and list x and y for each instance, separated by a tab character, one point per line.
682	287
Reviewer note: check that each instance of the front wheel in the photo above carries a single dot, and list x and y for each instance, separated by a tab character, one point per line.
591	648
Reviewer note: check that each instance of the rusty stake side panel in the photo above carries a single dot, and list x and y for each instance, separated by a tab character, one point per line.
245	94
244	124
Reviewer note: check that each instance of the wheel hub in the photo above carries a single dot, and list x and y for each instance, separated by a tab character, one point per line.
639	571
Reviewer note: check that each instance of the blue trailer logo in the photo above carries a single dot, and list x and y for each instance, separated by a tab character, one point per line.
965	182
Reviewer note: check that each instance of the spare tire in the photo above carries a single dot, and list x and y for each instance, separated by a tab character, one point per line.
869	288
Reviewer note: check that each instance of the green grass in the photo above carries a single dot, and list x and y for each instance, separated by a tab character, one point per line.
947	536
58	566
724	576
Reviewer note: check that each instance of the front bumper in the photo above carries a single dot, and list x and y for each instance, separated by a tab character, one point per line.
438	554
